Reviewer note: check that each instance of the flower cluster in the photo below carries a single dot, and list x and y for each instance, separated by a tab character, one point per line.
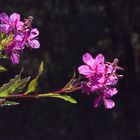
15	35
100	78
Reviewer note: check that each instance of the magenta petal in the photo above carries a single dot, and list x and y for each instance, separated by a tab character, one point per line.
87	58
20	25
100	68
102	80
34	33
112	80
99	59
4	17
19	46
84	69
96	87
110	92
15	58
34	44
15	18
4	28
97	102
19	37
109	104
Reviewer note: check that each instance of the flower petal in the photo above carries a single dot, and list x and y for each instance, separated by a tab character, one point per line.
109	104
97	102
84	69
15	18
19	37
5	28
110	92
34	44
15	58
100	68
20	26
99	59
96	87
87	58
34	33
4	17
112	80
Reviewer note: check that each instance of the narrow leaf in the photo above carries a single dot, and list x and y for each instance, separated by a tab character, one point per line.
2	69
64	97
33	84
40	69
9	103
21	84
11	86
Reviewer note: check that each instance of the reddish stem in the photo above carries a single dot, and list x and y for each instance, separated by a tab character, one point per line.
23	95
38	95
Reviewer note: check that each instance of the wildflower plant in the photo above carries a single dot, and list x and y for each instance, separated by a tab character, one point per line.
96	76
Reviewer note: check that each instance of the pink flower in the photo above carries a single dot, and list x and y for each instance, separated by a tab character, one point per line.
32	40
99	78
14	50
9	23
105	98
92	65
108	103
17	35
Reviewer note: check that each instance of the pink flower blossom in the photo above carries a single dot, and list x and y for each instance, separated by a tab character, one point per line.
100	77
9	23
32	40
92	65
17	35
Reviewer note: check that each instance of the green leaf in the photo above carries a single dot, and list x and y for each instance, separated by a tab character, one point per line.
13	85
9	87
1	47
3	56
9	103
4	39
2	69
64	97
40	69
22	83
33	84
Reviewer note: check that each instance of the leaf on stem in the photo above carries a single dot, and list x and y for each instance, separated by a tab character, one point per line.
9	88
14	85
9	103
2	69
64	97
33	84
22	83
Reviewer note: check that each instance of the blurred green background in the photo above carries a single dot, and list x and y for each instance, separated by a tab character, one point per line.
69	28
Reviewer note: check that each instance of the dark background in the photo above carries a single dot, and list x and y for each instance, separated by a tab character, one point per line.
69	28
